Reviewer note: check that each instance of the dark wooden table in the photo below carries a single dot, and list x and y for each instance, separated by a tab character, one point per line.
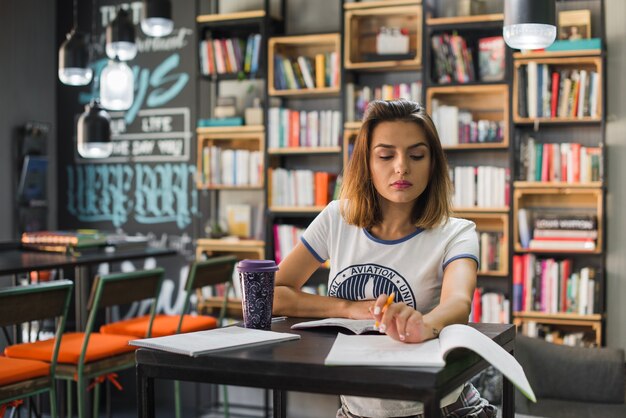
299	366
15	260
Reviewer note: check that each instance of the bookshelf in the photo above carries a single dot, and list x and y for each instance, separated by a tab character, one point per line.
558	133
232	61
478	145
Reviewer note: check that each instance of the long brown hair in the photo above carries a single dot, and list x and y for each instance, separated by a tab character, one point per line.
360	204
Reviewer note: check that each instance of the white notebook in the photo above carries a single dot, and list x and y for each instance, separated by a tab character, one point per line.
197	343
381	350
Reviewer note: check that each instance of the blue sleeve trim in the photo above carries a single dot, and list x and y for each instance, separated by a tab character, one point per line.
456	257
308	246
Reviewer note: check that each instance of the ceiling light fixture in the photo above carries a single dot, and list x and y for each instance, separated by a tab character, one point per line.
120	37
117	86
93	132
156	18
529	24
74	56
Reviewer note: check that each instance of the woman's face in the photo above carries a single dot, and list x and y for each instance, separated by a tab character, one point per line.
399	161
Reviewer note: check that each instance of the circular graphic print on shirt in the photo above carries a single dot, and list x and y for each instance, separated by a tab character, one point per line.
368	281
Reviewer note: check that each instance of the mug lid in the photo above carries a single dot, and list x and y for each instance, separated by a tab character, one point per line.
257	265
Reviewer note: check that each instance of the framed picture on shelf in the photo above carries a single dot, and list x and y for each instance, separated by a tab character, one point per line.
575	24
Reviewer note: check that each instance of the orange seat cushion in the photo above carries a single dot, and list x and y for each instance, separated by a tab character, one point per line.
163	325
13	370
100	346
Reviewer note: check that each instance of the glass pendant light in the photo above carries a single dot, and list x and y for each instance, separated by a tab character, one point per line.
117	86
120	37
156	18
529	24
93	132
74	57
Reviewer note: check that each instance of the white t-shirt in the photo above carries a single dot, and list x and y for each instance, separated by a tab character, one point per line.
362	267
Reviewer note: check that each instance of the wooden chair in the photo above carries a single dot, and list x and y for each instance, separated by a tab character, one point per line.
88	354
20	378
211	272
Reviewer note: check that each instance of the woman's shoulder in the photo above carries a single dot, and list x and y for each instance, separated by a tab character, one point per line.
455	225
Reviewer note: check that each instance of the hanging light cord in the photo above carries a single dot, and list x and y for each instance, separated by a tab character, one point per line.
75	14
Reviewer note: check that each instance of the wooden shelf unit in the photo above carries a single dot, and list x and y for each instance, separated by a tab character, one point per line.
564	321
228	17
308	46
581	62
242	248
364	23
488	102
492	222
583	200
249	138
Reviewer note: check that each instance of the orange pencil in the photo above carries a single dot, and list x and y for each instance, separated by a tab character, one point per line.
388	302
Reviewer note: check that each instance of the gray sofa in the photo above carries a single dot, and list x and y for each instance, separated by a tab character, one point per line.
571	382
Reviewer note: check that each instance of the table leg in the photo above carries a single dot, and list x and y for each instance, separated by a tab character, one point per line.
431	408
81	283
145	394
508	399
280	404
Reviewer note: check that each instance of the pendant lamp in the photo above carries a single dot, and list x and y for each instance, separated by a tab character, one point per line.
529	24
156	18
93	132
74	57
117	86
120	37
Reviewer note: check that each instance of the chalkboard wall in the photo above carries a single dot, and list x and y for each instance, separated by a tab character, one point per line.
147	185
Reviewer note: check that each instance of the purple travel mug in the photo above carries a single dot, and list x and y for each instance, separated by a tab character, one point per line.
257	289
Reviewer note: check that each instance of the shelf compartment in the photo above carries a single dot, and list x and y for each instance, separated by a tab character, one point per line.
242	248
251	138
484	102
534	55
292	47
364	23
568	199
568	322
588	63
303	150
492	222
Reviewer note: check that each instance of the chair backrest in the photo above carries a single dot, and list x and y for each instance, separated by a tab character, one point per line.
48	300
122	289
33	302
210	272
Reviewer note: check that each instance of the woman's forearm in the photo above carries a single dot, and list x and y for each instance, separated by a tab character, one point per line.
454	310
293	302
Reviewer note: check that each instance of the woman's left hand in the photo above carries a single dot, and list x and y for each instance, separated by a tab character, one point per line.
401	322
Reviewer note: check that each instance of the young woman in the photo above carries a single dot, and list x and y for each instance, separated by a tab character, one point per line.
391	232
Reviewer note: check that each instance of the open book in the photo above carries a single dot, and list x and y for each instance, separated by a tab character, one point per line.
197	343
375	350
357	326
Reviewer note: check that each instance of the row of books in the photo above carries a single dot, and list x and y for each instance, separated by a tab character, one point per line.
452	59
546	91
489	307
456	126
285	239
482	186
232	167
302	188
299	128
230	55
567	162
558	335
359	97
490	252
305	72
553	286
557	231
